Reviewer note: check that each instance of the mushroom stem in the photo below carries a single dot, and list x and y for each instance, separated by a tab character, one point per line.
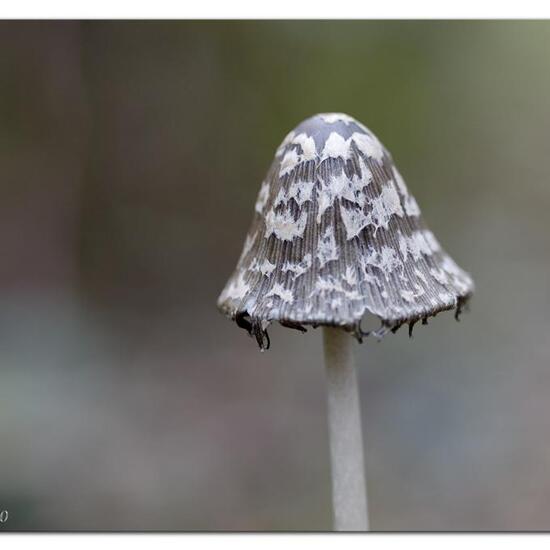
349	496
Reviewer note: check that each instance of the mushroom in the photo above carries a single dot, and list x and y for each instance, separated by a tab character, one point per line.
336	234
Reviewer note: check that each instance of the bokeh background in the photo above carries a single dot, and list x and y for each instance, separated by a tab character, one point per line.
131	154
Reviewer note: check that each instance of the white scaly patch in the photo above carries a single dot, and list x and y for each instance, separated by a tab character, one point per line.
301	267
350	276
267	267
385	206
327	250
330	284
450	275
292	157
416	245
400	182
300	191
461	279
289	162
337	186
353	295
254	266
440	276
447	297
278	290
368	278
336	147
324	200
238	288
309	150
421	276
263	195
354	221
386	260
340	186
412	295
408	296
366	175
283	225
411	206
369	145
331	118
397	310
327	285
288	138
281	197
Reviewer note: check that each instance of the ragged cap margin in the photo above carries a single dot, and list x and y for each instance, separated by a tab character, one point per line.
257	328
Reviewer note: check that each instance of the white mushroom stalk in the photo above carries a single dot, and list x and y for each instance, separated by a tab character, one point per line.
336	235
349	495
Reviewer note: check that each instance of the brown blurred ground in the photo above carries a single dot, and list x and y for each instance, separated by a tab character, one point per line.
131	154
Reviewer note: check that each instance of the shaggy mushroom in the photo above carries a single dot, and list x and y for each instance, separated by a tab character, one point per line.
336	234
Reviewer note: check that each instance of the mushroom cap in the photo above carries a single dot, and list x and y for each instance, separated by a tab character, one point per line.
336	234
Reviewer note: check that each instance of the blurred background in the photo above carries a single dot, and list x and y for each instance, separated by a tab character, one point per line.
131	154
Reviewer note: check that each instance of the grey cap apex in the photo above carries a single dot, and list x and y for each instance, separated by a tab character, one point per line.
321	125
